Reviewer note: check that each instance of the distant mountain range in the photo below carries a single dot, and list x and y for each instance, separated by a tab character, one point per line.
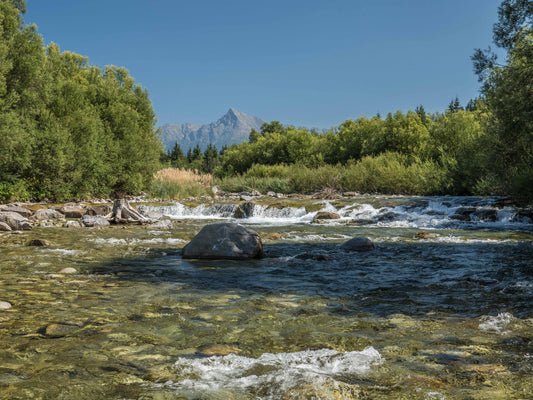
233	127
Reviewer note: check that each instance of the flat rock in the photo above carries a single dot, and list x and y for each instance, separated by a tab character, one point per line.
224	241
358	243
324	215
47	213
95	221
272	236
72	211
425	235
19	210
4	227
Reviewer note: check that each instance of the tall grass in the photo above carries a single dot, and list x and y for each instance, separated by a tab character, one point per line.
177	183
388	173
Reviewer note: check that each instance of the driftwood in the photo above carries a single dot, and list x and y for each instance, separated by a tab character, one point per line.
123	213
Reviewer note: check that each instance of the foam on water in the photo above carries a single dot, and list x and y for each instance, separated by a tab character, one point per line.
131	242
275	373
442	212
496	324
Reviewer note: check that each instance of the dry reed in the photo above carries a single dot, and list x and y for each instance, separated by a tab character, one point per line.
184	176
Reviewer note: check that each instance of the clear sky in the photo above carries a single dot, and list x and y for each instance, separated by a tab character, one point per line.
303	62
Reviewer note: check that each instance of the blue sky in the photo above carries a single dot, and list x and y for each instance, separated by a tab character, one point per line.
306	63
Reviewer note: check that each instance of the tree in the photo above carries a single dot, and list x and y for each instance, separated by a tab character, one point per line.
509	96
177	158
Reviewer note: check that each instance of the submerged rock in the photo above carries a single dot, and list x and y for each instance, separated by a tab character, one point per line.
60	330
358	243
39	242
68	270
224	241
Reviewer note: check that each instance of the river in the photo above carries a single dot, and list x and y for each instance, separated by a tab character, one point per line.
444	314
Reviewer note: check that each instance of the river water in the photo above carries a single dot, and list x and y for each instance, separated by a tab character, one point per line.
443	315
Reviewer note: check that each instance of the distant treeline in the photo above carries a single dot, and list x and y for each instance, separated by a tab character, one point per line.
483	148
68	130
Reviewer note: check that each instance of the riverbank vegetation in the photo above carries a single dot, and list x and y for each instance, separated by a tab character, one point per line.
71	130
68	129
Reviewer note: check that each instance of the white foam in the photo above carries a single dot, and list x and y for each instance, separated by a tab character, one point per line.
276	373
310	237
496	324
132	242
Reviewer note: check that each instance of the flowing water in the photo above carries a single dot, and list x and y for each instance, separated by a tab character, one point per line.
443	315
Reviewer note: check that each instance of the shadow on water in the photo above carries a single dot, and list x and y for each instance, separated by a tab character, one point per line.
415	279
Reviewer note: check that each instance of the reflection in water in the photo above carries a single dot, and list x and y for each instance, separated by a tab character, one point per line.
446	316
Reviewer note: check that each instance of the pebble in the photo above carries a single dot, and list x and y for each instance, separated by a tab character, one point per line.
68	270
4	305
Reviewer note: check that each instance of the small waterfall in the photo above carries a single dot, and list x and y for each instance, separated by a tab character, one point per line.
438	212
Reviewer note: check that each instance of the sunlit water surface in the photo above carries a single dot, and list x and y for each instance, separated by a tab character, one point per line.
444	317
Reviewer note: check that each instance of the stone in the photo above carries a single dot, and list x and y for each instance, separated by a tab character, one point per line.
4	227
486	214
68	270
244	210
244	197
5	305
39	242
224	241
463	213
47	213
60	330
94	221
101	210
324	215
358	243
272	236
163	224
72	211
74	224
19	210
15	220
219	350
425	235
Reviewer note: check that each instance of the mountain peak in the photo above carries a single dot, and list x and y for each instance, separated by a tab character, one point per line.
232	127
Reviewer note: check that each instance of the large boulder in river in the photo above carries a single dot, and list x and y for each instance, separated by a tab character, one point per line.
15	221
224	241
358	243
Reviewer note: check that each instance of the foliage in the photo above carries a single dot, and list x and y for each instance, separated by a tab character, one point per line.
508	91
72	129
